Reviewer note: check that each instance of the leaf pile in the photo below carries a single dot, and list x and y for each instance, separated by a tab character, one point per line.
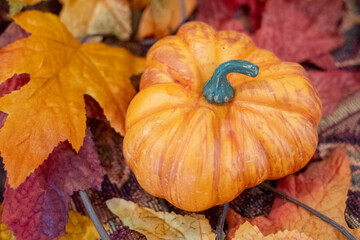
50	85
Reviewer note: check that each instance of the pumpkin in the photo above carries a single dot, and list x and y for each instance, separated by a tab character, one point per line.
216	115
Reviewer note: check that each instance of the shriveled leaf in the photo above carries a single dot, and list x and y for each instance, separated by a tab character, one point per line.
323	186
79	227
84	17
160	18
160	225
5	233
12	33
300	30
333	86
246	231
16	5
38	208
50	108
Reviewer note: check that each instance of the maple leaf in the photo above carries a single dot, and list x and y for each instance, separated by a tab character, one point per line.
333	86
50	108
160	225
84	17
323	186
79	227
246	231
41	203
299	30
160	18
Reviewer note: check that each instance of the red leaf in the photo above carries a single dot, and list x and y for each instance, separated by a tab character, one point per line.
12	84
333	86
38	208
11	34
299	30
220	14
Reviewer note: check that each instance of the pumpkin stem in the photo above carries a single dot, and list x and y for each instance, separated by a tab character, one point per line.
217	89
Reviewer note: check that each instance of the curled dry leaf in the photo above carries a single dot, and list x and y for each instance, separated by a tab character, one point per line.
246	231
79	227
84	17
160	18
50	108
161	225
323	186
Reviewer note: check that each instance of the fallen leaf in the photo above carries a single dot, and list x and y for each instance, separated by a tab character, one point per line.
12	33
15	6
79	227
323	186
246	231
5	233
83	17
299	30
160	18
160	225
333	86
108	145
38	208
220	14
50	108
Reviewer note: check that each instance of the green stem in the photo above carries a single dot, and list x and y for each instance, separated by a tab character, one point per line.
217	89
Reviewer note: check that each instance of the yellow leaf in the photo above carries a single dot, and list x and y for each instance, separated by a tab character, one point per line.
50	108
79	227
84	17
161	225
16	5
246	231
5	233
161	18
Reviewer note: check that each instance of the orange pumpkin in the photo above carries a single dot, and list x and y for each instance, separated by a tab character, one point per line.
197	154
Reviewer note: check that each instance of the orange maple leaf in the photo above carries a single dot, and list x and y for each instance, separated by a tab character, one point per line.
323	186
50	108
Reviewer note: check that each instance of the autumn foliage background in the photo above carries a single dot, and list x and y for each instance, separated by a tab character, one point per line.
40	199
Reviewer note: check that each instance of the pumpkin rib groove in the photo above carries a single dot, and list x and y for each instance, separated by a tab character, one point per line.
279	128
243	103
167	66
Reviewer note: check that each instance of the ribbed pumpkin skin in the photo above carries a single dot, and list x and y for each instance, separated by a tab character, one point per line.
197	155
